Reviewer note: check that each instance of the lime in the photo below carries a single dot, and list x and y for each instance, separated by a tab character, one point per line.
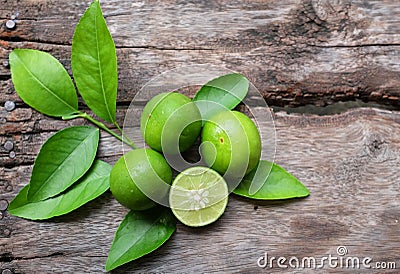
231	140
138	175
198	196
170	122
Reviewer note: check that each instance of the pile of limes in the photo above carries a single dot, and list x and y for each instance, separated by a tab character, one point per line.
170	124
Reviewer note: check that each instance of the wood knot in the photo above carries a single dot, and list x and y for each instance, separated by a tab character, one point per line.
376	147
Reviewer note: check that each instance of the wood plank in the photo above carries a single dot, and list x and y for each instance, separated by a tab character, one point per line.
348	161
178	24
295	52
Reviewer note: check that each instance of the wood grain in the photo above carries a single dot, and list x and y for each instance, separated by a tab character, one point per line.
353	178
296	53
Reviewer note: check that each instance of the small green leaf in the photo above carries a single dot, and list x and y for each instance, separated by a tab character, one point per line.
228	90
94	63
92	185
42	82
62	160
140	233
276	183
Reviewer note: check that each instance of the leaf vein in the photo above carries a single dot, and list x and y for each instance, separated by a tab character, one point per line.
100	69
82	143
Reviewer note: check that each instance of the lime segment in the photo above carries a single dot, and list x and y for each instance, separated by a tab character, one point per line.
198	196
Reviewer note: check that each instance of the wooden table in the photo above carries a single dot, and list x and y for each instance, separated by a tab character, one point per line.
304	56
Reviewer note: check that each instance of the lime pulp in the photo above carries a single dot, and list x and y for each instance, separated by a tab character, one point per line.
198	196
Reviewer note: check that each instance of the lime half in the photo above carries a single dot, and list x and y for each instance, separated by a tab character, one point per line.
198	196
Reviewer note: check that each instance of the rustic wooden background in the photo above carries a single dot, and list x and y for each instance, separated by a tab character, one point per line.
297	53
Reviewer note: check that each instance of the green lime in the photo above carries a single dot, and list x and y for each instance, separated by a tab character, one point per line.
198	196
170	122
138	175
231	140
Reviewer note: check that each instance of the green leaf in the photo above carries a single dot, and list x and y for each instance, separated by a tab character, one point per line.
228	90
62	160
92	185
140	233
94	63
276	183
42	82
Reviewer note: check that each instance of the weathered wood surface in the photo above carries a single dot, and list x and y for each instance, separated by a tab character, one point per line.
349	162
296	53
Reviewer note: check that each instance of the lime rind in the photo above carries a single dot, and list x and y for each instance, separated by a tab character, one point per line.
198	196
170	122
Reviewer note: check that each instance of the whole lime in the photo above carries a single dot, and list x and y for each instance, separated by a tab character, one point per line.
231	140
138	175
170	122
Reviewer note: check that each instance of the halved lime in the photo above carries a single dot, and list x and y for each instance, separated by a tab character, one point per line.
198	196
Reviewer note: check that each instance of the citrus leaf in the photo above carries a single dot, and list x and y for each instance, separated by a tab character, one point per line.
276	183
94	63
228	90
42	82
94	183
63	159
140	233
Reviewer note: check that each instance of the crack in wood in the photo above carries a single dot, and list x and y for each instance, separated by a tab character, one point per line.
358	45
16	38
154	47
164	48
9	257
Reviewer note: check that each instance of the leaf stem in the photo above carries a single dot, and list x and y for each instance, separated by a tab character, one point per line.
105	128
124	135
